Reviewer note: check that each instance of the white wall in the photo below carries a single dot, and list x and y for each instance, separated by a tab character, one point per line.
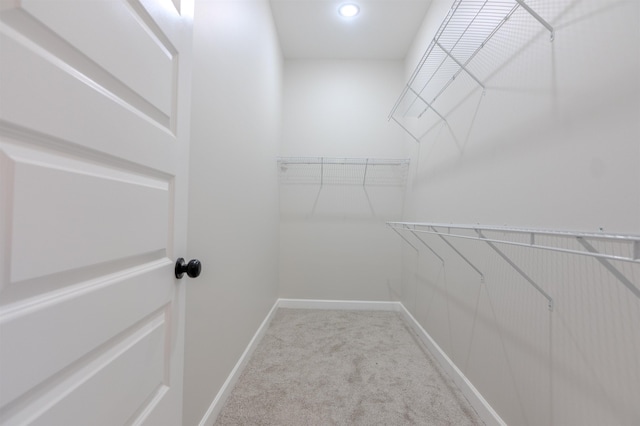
554	143
233	202
333	240
339	108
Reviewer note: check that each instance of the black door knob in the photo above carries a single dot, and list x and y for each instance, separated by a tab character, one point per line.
192	268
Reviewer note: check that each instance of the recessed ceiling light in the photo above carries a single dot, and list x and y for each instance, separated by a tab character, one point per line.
349	10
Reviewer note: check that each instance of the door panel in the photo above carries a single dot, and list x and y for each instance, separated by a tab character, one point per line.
77	219
74	322
94	118
57	93
133	53
100	390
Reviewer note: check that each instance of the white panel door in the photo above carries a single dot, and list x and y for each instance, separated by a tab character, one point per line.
94	120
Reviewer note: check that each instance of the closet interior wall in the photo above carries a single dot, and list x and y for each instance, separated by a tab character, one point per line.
233	199
333	239
553	143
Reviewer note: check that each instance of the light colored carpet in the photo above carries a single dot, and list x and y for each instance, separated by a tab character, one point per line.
319	367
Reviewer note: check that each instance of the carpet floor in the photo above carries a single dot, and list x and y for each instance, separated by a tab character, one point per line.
321	367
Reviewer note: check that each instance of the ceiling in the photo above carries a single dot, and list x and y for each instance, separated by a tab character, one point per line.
312	29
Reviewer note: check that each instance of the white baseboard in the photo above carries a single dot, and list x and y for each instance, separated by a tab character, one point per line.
218	402
355	305
482	407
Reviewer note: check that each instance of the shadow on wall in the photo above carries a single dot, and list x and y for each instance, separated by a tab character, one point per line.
334	243
577	352
530	87
340	203
552	143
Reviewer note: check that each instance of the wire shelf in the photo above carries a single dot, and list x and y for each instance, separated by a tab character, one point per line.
468	26
604	247
343	171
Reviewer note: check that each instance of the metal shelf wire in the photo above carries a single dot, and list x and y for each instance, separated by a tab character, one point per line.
589	244
343	171
467	28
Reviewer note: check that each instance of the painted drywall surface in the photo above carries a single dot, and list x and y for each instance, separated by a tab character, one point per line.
233	222
553	143
339	108
333	240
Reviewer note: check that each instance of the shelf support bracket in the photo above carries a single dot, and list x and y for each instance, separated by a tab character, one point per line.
459	254
427	246
461	65
517	268
405	240
538	18
364	179
428	105
604	262
406	130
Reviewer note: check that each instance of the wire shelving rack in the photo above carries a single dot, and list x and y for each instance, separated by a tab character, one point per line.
544	239
467	28
343	171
